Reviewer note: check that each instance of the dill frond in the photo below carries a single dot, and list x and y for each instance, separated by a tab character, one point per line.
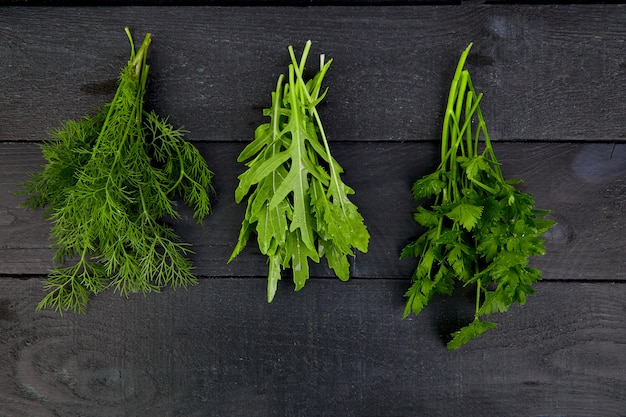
108	182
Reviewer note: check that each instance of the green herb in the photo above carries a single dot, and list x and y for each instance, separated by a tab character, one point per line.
108	183
297	204
480	229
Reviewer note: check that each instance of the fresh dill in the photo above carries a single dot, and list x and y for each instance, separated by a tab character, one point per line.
108	184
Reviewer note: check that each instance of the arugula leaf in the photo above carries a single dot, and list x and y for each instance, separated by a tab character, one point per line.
297	203
109	181
481	230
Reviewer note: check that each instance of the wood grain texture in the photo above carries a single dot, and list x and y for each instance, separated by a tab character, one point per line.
553	79
236	3
552	73
583	184
332	349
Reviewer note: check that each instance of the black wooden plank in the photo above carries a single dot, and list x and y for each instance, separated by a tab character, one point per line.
549	73
334	349
558	2
584	184
235	3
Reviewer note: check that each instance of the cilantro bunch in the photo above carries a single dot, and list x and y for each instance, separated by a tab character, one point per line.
480	230
108	183
297	204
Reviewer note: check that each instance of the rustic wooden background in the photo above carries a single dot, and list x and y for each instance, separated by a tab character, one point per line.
554	78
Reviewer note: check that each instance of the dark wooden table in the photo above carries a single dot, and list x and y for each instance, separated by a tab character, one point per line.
554	78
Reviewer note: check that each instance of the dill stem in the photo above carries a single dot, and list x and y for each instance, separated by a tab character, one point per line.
182	173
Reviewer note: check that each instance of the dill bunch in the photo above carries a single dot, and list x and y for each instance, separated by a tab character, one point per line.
109	181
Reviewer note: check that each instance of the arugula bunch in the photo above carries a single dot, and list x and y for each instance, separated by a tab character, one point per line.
297	204
481	230
108	183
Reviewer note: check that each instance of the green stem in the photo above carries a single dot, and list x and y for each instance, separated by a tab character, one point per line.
478	291
469	111
138	61
182	172
454	91
311	100
139	71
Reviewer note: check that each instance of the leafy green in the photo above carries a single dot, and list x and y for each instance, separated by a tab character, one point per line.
297	203
480	230
109	181
472	330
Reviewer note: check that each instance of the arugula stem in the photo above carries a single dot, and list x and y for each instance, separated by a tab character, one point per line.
311	101
303	58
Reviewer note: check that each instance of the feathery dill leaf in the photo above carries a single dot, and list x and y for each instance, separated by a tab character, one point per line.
297	203
108	183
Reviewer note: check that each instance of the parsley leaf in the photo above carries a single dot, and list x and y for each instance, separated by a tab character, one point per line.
467	333
467	215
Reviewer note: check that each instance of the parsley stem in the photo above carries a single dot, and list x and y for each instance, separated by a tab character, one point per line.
478	291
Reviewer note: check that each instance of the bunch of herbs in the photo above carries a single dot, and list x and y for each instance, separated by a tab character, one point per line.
109	181
297	203
480	229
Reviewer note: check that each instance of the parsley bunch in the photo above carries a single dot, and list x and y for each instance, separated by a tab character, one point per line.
481	230
108	182
297	204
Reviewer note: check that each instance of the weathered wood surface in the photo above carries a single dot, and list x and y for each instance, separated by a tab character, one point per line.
553	78
238	3
337	349
553	73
